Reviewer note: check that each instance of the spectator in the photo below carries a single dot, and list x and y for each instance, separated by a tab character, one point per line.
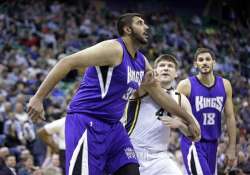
20	114
29	167
4	170
53	135
10	162
13	131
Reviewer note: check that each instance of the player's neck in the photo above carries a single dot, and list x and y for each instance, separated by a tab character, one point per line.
166	85
206	79
131	46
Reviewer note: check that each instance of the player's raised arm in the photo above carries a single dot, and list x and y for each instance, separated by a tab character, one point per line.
163	99
104	53
230	120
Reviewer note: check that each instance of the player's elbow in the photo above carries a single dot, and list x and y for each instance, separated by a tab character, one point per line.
66	64
42	133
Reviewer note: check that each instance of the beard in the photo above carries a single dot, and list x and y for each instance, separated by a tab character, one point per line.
206	71
138	38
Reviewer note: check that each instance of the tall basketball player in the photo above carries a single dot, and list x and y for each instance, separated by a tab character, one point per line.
209	96
149	126
96	142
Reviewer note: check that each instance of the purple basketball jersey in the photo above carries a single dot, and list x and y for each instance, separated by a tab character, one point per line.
96	141
207	105
104	90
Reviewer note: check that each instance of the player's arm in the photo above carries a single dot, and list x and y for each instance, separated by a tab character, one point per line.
184	87
187	107
48	139
230	119
166	101
176	122
104	53
183	128
47	131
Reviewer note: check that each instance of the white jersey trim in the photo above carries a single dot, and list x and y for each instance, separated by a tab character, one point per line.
192	150
104	88
82	142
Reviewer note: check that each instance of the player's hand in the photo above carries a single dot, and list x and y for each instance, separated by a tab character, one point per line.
35	109
170	122
230	156
150	79
194	129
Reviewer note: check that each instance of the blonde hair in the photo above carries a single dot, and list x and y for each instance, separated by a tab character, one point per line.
167	57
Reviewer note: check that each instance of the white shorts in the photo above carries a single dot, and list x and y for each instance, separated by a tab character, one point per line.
158	164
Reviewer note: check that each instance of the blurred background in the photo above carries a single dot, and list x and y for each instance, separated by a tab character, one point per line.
35	34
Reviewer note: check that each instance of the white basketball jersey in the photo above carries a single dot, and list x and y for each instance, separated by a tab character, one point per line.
145	130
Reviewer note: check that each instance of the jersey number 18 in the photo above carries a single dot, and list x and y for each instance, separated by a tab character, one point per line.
208	118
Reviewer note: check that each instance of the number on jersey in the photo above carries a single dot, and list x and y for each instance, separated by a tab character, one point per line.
208	118
128	93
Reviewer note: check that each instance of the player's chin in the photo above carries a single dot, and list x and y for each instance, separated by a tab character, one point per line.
144	41
165	79
205	71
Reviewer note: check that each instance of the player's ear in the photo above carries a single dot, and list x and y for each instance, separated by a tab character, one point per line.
195	64
214	63
127	29
155	72
176	75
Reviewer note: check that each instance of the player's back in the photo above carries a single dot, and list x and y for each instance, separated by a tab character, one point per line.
207	105
104	90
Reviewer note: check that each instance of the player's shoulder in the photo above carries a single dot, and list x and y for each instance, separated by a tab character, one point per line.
178	94
227	84
112	44
111	50
226	81
184	87
185	83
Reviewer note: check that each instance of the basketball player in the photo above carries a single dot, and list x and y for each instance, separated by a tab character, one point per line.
96	142
46	134
149	126
209	96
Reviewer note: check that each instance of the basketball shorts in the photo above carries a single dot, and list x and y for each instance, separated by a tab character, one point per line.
94	147
199	157
160	163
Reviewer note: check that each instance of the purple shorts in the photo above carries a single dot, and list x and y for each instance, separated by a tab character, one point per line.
199	157
94	147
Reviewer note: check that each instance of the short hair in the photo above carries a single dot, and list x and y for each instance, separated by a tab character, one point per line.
9	155
126	19
167	57
204	50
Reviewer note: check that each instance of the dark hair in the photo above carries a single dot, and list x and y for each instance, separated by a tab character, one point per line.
204	50
168	57
125	19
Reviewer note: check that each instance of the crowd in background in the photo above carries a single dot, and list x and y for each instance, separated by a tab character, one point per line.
34	36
